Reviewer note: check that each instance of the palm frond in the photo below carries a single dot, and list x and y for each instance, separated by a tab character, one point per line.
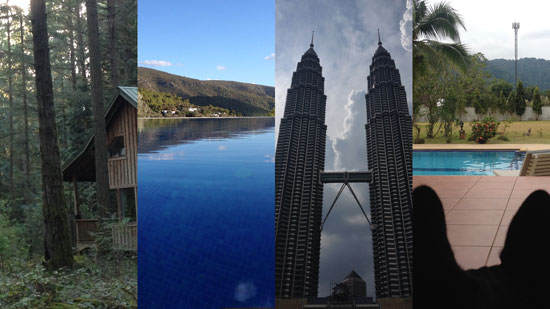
437	55
440	22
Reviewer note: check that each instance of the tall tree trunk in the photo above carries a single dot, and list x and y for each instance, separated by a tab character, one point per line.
63	117
72	56
10	98
101	170
115	58
25	108
57	237
80	43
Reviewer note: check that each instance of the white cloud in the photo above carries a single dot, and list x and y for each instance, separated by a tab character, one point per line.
220	67
269	57
157	63
405	25
345	41
493	35
349	146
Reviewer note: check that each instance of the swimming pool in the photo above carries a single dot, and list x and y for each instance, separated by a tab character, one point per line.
458	162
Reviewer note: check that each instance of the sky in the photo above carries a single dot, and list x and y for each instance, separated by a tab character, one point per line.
23	4
216	39
345	41
489	27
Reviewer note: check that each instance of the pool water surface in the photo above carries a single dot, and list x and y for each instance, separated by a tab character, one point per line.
206	214
465	162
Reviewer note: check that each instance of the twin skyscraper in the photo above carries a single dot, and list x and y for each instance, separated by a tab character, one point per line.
299	163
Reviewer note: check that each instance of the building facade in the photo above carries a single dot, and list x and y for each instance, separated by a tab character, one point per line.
357	287
389	157
299	160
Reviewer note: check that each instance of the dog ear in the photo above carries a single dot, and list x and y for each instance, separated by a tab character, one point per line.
436	275
526	249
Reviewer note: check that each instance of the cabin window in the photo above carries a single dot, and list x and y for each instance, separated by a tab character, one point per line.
116	148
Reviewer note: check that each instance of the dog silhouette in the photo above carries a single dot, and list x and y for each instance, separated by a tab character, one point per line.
522	280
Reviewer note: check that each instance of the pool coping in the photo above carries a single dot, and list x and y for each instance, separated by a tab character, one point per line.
483	147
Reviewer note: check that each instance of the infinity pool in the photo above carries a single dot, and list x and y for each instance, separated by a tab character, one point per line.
478	163
206	215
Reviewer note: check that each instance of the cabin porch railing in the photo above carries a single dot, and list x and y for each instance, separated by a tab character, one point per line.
125	236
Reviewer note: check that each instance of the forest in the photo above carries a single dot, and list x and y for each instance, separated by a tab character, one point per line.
242	98
153	104
62	62
531	71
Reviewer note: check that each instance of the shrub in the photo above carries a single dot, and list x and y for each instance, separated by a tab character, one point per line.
484	130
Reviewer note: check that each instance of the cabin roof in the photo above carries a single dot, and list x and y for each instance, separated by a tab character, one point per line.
83	164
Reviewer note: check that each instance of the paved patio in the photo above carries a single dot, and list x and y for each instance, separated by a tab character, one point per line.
478	210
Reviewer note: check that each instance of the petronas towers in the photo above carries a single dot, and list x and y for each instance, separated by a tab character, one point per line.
299	162
299	159
389	156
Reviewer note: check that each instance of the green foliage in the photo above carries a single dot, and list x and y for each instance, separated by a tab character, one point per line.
500	86
484	130
155	102
537	102
108	284
23	280
431	25
519	99
8	241
532	71
242	98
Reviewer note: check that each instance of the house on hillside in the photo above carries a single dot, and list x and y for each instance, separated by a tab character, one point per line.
121	127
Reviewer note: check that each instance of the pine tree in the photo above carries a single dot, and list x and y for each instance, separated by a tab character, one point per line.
537	102
520	99
57	239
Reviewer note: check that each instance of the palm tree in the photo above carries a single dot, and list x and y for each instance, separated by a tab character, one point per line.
431	25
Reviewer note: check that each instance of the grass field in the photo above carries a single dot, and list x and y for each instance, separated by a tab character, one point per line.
516	133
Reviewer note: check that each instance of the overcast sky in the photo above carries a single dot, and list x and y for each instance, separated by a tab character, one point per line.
489	27
345	41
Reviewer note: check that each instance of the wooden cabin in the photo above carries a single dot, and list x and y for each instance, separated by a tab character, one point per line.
121	127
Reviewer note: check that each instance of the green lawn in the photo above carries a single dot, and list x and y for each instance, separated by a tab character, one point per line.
516	133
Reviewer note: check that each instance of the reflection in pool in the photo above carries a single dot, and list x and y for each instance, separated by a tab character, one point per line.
206	213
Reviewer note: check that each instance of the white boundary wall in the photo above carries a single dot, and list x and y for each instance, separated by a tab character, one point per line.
471	115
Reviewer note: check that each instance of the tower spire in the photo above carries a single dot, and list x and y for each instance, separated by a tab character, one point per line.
379	41
312	33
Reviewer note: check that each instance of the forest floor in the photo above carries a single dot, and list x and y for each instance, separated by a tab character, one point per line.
107	283
515	133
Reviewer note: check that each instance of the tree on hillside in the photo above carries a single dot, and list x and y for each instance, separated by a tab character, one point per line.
57	239
501	86
519	100
537	103
431	26
501	102
100	137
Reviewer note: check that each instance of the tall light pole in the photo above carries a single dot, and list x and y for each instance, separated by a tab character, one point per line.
515	26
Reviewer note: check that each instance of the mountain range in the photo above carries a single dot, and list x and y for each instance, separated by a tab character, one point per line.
244	98
531	71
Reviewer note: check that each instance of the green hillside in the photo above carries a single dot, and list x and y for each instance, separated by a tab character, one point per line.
242	98
531	71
